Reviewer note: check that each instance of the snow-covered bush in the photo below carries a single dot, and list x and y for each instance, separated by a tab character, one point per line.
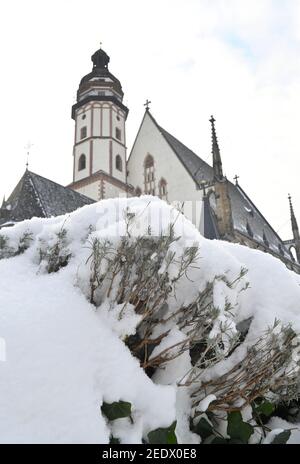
184	339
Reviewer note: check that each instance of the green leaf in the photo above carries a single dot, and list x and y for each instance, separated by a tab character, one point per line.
237	428
116	410
235	441
281	438
219	441
266	408
163	436
114	441
203	428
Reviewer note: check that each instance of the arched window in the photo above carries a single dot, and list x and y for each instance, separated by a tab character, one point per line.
83	132
118	133
149	175
119	164
82	162
138	192
162	187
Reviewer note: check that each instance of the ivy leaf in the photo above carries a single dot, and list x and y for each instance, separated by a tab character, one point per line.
266	408
281	438
116	410
235	441
219	441
163	436
203	428
237	428
114	441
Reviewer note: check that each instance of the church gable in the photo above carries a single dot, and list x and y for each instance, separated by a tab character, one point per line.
167	176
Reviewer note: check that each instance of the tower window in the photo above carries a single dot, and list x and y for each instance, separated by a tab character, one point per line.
83	132
118	133
162	186
119	163
83	116
82	162
118	118
149	178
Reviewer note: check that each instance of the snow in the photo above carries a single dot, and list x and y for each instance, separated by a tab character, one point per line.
278	425
64	357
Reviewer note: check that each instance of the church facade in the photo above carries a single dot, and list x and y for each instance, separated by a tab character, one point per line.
159	165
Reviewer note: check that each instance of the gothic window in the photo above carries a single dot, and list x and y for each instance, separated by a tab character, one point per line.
118	133
162	187
149	175
138	192
83	132
82	162
119	163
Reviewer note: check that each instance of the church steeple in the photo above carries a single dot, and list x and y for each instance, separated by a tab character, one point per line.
217	162
100	132
294	223
295	229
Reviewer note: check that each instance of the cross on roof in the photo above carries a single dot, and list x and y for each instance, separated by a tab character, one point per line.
236	179
27	148
100	45
212	120
147	104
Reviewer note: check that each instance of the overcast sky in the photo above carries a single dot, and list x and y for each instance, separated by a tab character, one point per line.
236	59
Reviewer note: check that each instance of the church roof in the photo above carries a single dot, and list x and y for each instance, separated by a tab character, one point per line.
36	196
247	219
198	169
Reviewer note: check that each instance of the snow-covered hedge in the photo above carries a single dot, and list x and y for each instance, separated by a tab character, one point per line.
120	322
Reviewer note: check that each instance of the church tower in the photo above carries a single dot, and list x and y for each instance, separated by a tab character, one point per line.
99	153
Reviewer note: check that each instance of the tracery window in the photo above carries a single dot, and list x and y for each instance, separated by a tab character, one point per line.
162	187
149	179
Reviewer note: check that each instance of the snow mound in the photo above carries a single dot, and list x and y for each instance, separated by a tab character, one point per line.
62	356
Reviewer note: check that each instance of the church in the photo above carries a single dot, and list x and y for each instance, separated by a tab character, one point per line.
158	164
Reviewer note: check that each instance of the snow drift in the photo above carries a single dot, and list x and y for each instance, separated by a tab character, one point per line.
62	349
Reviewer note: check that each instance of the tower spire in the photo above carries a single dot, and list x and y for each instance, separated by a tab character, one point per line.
295	229
217	162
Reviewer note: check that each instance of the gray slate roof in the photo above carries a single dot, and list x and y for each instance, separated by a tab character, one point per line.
36	196
247	218
198	169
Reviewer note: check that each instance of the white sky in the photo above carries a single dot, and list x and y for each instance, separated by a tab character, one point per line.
236	59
